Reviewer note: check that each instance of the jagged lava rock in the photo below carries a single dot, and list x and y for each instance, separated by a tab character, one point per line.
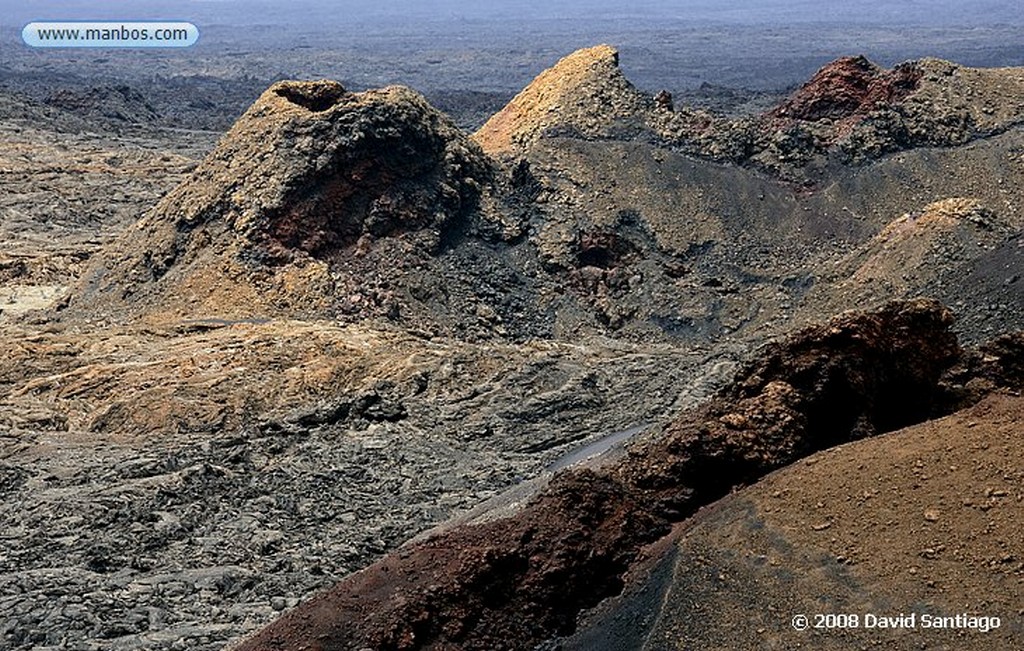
304	173
858	375
848	87
866	111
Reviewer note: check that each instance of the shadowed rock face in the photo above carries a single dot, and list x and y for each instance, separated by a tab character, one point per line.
514	582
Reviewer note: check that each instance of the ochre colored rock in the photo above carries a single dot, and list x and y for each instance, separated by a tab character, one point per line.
584	94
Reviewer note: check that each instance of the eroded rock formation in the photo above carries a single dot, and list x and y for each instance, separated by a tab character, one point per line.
300	178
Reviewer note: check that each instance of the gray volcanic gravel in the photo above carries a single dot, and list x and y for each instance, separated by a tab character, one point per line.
193	540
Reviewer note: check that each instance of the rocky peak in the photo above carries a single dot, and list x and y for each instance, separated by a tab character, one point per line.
583	94
848	87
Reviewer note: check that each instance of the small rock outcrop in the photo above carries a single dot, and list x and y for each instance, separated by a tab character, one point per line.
303	175
856	376
860	111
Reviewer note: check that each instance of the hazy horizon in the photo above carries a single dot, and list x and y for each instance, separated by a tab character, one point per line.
320	14
490	46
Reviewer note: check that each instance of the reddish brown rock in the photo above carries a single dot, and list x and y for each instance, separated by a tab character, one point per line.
848	88
856	376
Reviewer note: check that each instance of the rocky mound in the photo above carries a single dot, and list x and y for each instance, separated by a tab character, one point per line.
841	95
849	87
915	251
512	583
311	174
932	251
860	111
584	95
